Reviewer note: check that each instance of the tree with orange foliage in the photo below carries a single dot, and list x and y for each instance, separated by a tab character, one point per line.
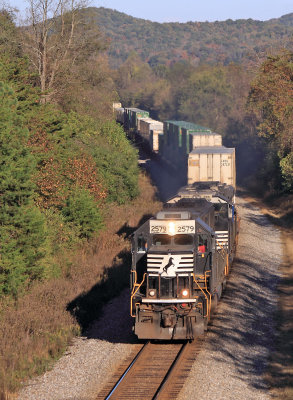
271	100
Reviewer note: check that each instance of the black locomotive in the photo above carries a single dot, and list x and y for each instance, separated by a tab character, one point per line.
180	261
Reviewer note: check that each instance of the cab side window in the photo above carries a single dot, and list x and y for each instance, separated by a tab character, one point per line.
202	243
142	244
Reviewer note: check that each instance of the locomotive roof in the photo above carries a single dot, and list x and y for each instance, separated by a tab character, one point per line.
196	206
214	189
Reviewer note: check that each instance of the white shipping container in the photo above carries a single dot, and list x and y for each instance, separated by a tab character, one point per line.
212	164
206	139
148	124
154	140
116	105
140	122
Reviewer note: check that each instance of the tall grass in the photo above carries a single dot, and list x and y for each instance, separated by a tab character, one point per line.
37	328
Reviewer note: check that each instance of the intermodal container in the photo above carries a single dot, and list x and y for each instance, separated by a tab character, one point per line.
154	139
148	124
132	115
119	114
213	163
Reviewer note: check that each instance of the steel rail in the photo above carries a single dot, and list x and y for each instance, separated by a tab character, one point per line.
126	371
170	372
156	372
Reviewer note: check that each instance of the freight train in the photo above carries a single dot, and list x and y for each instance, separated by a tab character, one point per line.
182	256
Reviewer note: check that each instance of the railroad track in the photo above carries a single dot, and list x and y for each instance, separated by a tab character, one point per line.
156	372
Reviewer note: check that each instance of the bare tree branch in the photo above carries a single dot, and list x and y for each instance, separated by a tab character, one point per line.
50	37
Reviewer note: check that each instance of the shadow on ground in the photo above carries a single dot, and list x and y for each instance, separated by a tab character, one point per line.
243	332
87	307
104	311
112	321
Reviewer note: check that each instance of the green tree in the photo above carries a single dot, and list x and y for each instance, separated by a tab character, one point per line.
82	210
205	98
9	44
271	100
22	224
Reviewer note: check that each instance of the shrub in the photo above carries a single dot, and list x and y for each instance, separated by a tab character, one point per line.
83	211
286	165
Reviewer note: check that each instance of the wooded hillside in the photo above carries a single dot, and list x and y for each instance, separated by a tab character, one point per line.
198	42
67	168
58	169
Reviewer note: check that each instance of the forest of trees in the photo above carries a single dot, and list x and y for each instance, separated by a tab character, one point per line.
271	100
179	71
60	166
194	42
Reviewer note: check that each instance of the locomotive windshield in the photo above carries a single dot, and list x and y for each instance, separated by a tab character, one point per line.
178	240
161	240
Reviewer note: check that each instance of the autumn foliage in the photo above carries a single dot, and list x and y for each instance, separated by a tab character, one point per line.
56	173
271	100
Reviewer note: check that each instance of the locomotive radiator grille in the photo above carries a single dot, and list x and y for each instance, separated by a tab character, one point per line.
222	238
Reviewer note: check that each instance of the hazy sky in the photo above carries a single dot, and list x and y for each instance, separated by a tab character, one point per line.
192	10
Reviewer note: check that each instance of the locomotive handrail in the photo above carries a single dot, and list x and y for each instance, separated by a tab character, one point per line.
206	288
227	259
237	230
135	289
219	244
208	300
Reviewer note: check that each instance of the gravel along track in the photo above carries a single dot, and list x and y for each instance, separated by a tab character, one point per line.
233	357
91	360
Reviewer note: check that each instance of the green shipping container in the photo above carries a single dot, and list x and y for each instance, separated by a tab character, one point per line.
178	141
132	114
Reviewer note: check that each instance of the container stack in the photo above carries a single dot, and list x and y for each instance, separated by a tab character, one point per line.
181	137
149	130
131	116
194	151
119	114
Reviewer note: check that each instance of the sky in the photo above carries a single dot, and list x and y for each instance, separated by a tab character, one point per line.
191	10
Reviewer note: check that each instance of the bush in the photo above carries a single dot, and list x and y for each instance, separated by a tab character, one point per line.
83	211
117	163
286	165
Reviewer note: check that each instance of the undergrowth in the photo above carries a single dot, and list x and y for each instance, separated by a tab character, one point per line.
36	329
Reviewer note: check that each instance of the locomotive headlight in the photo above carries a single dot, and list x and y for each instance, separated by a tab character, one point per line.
185	293
152	292
171	228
